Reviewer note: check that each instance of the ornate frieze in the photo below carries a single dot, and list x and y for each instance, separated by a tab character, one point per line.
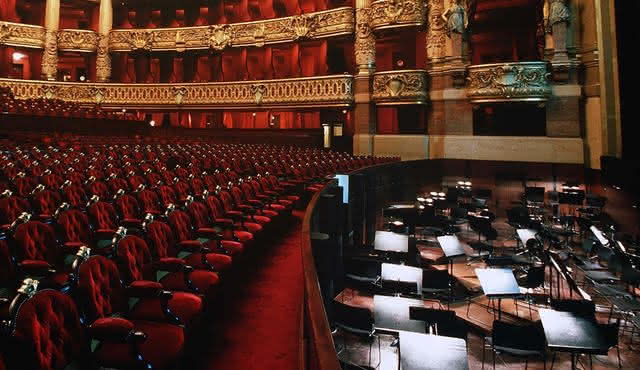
77	40
397	13
329	23
400	87
365	42
502	82
436	31
295	92
25	35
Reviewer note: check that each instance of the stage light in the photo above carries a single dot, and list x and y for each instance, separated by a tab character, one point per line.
82	78
124	110
152	123
344	111
421	200
253	114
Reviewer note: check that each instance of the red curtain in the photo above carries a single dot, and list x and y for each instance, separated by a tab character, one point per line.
215	66
259	63
8	11
216	13
285	61
387	119
234	62
313	59
308	6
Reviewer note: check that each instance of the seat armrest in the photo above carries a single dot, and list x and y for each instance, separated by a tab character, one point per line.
111	329
36	267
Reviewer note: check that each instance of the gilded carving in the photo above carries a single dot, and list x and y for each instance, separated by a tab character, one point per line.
365	42
16	34
77	40
219	36
526	81
409	86
437	31
318	25
103	59
395	13
295	92
50	55
558	12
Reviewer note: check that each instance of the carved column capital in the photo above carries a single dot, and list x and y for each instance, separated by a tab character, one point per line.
365	42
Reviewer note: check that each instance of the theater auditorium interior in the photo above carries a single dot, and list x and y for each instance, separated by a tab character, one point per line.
318	185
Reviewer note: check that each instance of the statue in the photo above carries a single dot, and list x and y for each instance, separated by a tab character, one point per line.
559	12
456	18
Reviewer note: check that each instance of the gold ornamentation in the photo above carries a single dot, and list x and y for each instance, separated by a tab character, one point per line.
397	13
400	87
258	92
365	42
526	81
141	40
437	30
219	37
50	56
103	59
318	25
16	34
295	92
77	40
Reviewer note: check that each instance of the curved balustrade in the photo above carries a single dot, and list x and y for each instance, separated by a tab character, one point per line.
325	91
318	25
508	82
400	87
77	40
23	35
398	13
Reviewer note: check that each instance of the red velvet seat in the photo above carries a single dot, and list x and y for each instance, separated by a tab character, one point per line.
10	209
75	196
106	303
46	203
149	202
129	209
187	235
202	221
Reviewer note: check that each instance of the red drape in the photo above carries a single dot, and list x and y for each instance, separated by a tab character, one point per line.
313	59
8	11
285	61
234	62
387	120
259	63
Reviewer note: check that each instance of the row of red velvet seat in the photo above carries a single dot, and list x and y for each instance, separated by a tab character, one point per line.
186	229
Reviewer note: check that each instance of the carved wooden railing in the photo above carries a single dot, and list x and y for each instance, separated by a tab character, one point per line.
318	25
400	87
25	35
398	13
324	91
77	40
507	82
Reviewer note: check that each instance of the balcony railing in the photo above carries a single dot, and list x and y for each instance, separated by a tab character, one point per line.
397	13
400	87
24	35
325	91
508	82
318	25
77	40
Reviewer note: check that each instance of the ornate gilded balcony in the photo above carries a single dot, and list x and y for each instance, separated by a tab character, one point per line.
77	40
324	24
398	13
507	82
325	91
400	87
24	35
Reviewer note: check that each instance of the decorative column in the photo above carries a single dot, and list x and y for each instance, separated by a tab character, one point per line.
436	32
103	58
559	20
50	56
365	55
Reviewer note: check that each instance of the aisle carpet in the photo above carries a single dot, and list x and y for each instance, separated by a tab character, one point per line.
258	327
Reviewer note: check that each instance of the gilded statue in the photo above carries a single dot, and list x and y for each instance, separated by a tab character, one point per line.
456	18
559	12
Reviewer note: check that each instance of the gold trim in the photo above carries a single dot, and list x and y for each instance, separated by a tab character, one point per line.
398	13
21	35
508	82
400	87
318	25
322	91
77	40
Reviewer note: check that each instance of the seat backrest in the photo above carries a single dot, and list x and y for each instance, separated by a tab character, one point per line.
99	287
133	256
74	226
100	189
128	206
75	196
35	240
46	202
351	318
167	195
103	216
181	225
11	208
199	214
47	333
580	307
161	239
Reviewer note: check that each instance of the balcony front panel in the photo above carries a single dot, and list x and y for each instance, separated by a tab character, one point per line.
508	82
22	35
398	13
324	24
400	87
296	92
77	40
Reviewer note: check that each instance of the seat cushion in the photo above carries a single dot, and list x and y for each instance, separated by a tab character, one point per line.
202	280
220	262
156	349
186	306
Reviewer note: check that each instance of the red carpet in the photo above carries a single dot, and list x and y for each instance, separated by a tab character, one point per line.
259	325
